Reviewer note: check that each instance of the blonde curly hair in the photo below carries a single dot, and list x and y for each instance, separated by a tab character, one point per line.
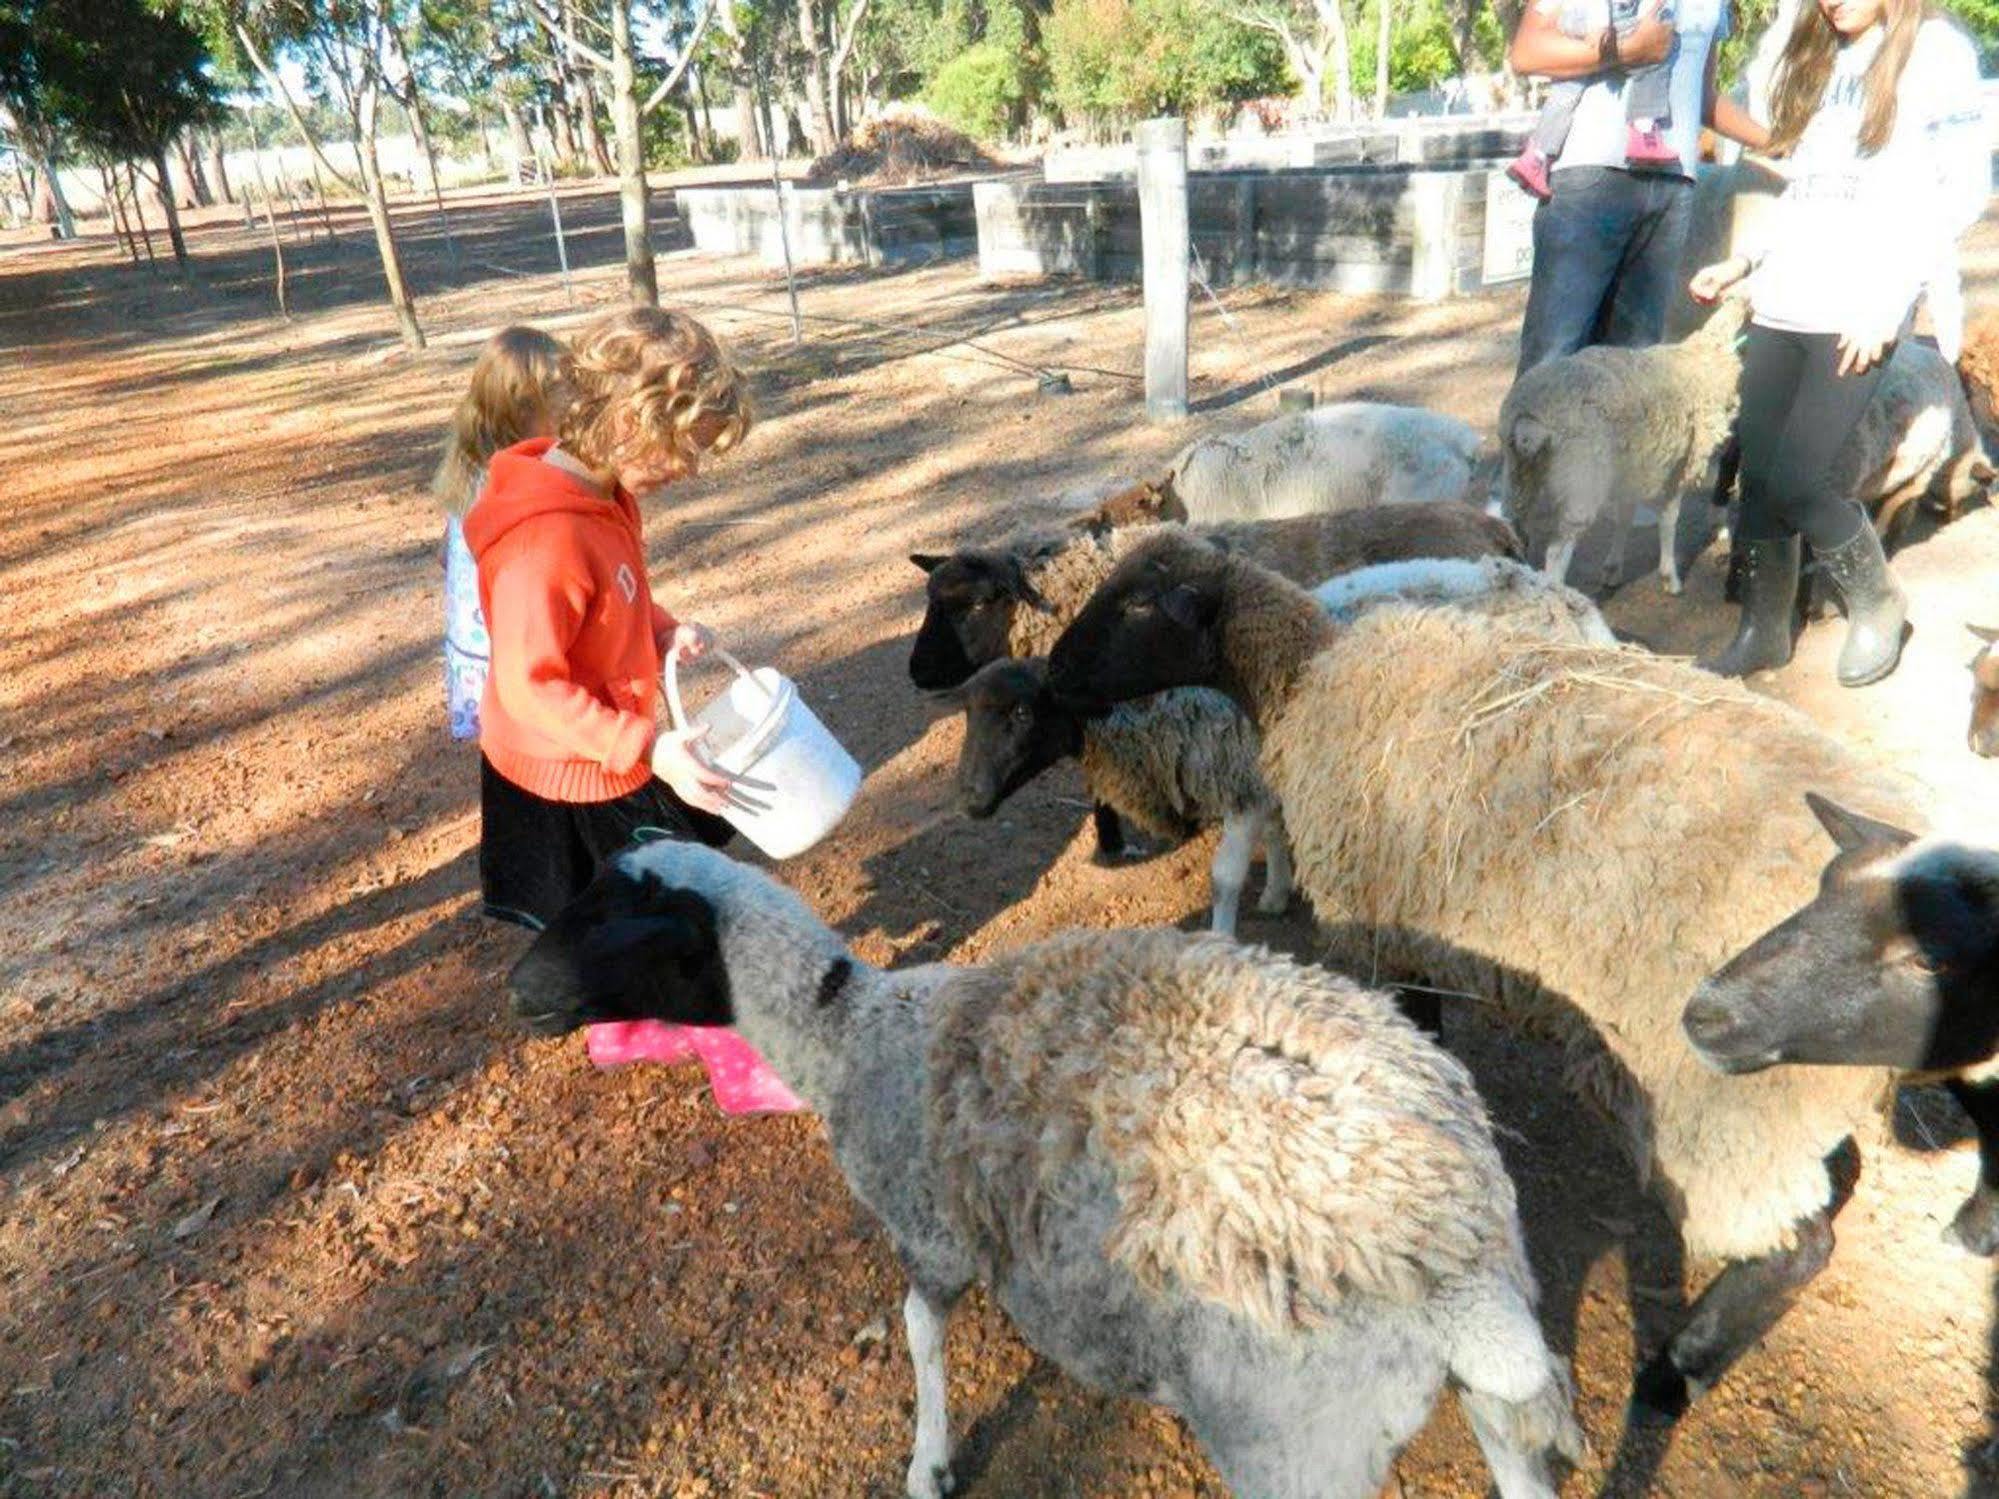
652	390
516	392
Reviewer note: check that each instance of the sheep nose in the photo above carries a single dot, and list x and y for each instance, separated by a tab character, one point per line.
1709	1022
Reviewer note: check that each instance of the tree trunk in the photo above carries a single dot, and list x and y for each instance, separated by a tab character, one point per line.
55	207
385	234
139	210
190	162
586	114
420	128
173	213
1384	20
116	211
559	128
1341	60
633	197
748	127
697	80
824	141
517	139
218	169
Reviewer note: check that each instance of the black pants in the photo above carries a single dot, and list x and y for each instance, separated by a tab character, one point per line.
1797	414
536	856
1607	251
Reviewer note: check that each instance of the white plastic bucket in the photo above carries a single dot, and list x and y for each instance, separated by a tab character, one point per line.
796	781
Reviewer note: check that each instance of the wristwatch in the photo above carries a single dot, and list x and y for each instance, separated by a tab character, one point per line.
1606	47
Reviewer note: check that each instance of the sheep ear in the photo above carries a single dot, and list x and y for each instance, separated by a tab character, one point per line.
1187	607
1853	832
928	561
1987	633
1014	581
947	700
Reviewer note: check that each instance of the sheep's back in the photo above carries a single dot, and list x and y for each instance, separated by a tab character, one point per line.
1278	1137
1179	759
1334	458
1580	834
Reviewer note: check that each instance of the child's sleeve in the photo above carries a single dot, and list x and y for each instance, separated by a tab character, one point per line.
663	622
535	619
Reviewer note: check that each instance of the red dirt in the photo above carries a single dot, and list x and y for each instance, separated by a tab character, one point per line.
287	1208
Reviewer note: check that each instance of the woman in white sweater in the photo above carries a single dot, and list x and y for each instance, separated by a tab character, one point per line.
1878	108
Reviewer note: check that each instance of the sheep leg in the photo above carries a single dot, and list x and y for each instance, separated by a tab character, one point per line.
1728	1319
1976	1226
1230	870
924	1317
1560	554
1110	833
1669	544
1518	1471
1277	875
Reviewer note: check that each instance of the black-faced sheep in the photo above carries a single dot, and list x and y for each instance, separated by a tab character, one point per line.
1570	831
1339	457
1014	597
1984	732
1598	432
1916	440
1190	1171
1894	963
1170	765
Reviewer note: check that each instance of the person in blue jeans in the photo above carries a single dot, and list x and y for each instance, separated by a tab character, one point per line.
1609	239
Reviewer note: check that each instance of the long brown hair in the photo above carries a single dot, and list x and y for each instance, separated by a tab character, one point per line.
516	393
1807	64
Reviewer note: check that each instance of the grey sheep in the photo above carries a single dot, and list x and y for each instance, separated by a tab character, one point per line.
1190	1171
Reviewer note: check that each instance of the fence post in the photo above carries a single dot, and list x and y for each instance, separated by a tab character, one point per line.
1162	218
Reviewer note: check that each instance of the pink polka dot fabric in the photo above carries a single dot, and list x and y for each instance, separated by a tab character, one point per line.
741	1080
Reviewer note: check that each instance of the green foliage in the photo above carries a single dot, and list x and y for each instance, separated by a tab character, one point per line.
980	90
122	79
1111	60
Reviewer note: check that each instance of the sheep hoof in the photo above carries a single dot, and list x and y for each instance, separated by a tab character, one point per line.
1270	904
1975	1229
931	1483
1660	1395
1671	583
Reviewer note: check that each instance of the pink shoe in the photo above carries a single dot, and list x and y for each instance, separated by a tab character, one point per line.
1647	148
619	1043
1530	170
742	1080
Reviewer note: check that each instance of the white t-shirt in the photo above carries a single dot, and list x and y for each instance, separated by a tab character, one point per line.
1598	134
1854	238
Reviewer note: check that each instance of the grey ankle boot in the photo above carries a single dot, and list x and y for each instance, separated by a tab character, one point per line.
1767	583
1876	608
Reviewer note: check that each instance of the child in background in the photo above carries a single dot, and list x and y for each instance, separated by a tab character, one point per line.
573	764
1648	108
513	396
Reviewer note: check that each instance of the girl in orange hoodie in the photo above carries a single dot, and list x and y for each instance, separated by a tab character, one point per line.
569	744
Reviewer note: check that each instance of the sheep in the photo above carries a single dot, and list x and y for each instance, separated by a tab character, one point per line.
1572	832
1338	457
1014	597
1978	367
1894	963
1984	732
1597	432
1181	761
1190	1171
1170	765
1916	439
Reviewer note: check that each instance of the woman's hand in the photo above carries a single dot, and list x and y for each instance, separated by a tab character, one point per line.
688	642
1648	42
1860	352
1712	281
686	774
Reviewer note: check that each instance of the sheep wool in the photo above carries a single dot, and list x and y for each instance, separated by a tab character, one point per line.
1279	1137
1175	761
1576	834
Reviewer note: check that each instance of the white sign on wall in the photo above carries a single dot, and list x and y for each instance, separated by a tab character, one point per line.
1509	230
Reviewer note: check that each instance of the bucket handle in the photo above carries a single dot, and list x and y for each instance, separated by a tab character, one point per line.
678	712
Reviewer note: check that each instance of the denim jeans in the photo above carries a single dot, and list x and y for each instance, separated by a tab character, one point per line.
1607	252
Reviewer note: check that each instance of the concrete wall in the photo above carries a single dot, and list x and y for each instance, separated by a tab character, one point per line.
827	226
1413	232
1462	140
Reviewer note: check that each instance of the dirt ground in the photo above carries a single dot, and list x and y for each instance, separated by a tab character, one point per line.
286	1207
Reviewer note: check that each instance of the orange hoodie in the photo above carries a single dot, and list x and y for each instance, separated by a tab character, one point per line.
569	706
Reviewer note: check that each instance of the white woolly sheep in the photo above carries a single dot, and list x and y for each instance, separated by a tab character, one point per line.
1190	1171
1338	457
1171	765
1570	831
1597	432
